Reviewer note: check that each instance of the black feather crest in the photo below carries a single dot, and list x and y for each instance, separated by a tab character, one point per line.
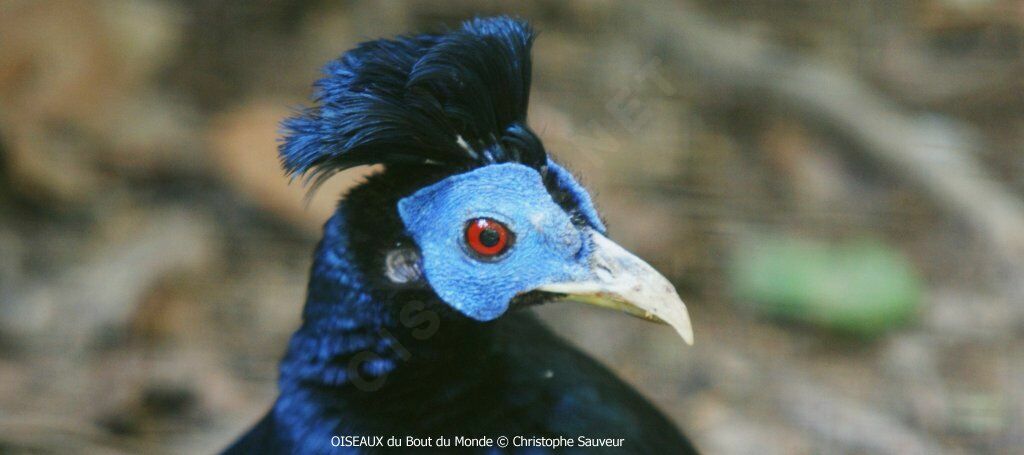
456	99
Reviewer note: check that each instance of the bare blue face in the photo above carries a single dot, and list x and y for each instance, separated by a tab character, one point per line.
542	245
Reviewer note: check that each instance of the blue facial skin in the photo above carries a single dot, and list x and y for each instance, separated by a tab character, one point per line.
548	247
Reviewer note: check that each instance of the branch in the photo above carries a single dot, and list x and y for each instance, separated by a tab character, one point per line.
935	154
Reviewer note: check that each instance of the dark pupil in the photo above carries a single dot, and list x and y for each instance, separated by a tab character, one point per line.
489	237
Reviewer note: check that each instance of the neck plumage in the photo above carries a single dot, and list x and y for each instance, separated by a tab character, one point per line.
354	337
357	346
342	340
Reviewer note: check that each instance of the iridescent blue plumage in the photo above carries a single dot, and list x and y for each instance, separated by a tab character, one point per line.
406	100
406	331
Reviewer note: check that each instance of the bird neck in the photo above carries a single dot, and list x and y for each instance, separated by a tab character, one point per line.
357	346
353	337
341	321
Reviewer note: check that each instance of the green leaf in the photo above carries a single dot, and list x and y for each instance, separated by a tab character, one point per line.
863	287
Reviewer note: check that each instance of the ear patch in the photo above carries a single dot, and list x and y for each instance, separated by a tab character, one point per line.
402	266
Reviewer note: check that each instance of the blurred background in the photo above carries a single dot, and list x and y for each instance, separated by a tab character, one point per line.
835	187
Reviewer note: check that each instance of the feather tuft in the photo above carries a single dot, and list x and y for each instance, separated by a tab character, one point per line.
455	99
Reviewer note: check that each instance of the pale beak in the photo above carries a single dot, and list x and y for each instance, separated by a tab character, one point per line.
621	281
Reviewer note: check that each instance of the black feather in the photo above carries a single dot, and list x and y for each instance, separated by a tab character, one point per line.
457	100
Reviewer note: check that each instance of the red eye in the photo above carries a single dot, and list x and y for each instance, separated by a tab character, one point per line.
487	237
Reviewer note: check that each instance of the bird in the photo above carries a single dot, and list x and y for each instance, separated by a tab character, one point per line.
417	328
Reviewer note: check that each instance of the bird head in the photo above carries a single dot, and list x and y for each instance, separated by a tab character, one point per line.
470	207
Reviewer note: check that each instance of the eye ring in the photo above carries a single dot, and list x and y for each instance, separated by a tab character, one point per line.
488	238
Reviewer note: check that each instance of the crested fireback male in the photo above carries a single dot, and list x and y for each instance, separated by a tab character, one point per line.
414	323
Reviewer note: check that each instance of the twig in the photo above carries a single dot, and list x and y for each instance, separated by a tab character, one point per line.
935	154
